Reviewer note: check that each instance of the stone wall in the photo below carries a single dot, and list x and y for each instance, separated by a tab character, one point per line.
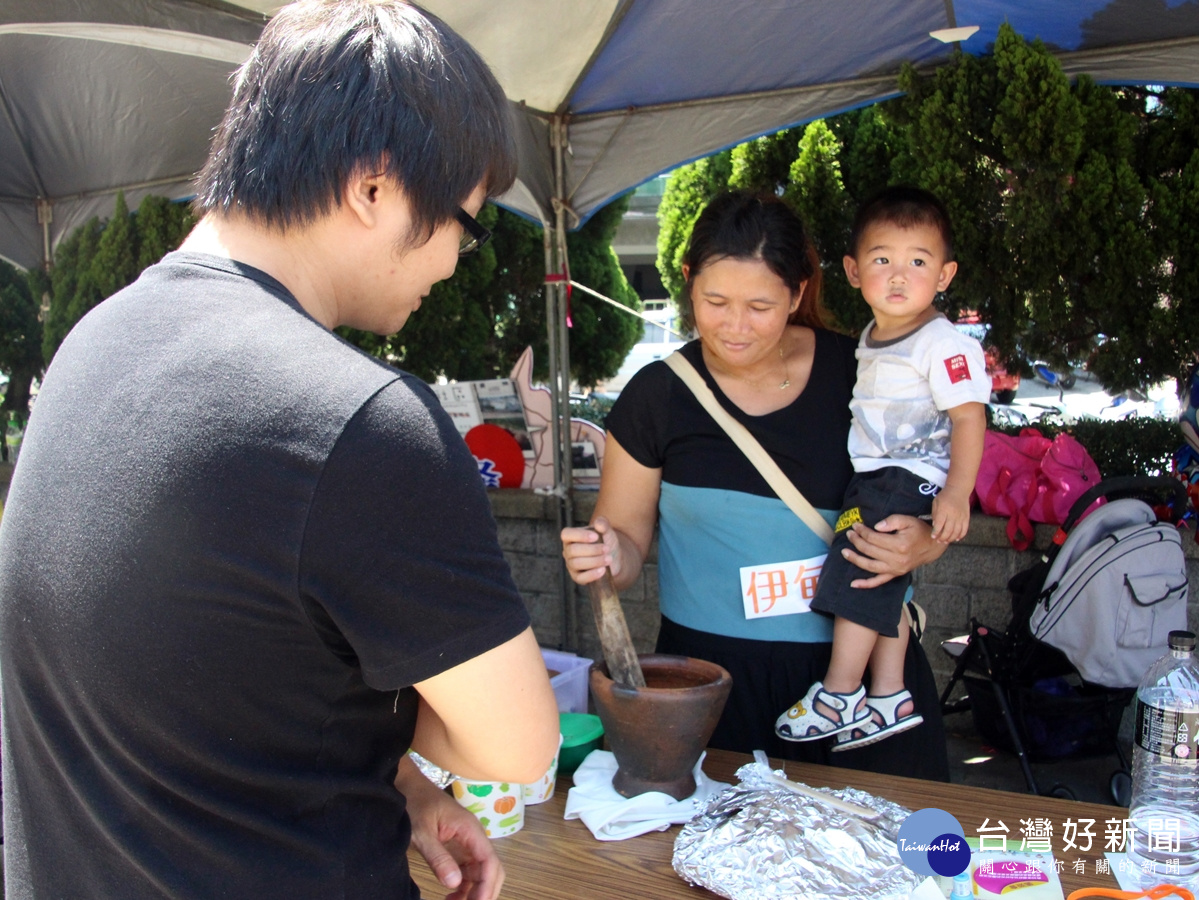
970	580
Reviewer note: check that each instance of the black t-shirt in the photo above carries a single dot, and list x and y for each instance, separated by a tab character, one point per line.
232	545
662	425
716	513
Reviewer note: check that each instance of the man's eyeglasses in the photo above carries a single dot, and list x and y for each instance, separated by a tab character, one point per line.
474	235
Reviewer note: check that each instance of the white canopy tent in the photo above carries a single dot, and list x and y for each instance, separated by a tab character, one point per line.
98	96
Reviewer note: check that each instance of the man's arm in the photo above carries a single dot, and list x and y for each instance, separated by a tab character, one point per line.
492	718
450	839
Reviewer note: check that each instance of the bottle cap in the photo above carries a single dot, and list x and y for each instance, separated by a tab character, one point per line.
1182	640
961	885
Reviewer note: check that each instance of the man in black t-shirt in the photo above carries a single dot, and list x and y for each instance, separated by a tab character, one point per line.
244	567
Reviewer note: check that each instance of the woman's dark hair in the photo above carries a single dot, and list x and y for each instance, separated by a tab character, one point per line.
904	207
743	225
339	88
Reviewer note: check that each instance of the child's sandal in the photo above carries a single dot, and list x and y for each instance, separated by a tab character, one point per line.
803	722
882	723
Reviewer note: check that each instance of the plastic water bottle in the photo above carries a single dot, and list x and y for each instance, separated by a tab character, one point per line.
12	437
961	886
1164	842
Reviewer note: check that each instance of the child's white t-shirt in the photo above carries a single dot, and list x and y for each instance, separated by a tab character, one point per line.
903	390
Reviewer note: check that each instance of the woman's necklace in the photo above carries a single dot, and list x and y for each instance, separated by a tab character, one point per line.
757	382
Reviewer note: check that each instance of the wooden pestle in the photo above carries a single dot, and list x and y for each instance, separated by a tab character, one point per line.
623	665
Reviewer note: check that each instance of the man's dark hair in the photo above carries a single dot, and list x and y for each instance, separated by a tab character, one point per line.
338	88
905	207
745	225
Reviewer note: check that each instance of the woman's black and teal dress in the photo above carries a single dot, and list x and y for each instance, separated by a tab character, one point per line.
716	515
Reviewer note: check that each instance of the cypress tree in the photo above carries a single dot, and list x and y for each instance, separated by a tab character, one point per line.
115	262
817	191
1075	206
688	190
100	258
72	292
476	324
601	335
155	230
20	338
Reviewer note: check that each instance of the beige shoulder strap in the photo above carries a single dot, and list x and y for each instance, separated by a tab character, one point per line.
749	445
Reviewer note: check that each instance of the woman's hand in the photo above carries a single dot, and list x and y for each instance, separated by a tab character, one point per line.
589	551
623	525
895	546
450	839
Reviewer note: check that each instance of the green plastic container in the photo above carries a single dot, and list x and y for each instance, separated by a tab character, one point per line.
581	733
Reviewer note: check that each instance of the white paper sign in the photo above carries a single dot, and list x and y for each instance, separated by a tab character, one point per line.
460	401
780	589
493	402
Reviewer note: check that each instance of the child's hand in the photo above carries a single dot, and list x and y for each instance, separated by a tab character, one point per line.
951	516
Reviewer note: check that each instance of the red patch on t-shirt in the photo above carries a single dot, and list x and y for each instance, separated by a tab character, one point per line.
958	368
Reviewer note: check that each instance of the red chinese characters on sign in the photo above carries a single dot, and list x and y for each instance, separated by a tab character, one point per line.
958	368
779	589
805	582
766	588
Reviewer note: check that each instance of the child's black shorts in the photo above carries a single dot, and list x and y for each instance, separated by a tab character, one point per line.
874	495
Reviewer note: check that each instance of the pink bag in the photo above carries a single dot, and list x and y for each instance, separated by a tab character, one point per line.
1007	483
1029	478
1070	472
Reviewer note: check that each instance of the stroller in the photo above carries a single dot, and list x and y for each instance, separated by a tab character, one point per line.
1088	620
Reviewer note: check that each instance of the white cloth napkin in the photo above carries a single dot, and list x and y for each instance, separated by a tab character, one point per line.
611	817
927	890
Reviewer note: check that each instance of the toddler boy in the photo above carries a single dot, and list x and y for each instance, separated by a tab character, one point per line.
919	381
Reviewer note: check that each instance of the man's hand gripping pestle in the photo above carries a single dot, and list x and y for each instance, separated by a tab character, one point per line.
623	665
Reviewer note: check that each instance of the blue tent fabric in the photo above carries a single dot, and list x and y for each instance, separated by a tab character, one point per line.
98	96
663	53
674	80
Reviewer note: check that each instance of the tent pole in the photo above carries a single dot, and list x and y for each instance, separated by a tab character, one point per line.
559	369
45	215
551	326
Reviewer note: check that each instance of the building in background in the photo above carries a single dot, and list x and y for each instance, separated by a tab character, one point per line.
636	245
636	241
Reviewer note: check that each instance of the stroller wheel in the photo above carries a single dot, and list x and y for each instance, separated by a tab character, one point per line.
1061	790
1121	788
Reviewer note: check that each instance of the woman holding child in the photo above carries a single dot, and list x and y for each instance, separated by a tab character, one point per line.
753	286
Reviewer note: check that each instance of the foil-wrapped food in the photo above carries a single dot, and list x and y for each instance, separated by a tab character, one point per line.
432	771
761	840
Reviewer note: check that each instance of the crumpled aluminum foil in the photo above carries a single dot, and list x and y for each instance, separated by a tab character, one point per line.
432	771
760	841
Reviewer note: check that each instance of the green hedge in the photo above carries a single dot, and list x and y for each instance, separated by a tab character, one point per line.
592	408
1134	446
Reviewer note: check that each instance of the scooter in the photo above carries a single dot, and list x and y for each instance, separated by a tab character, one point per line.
1052	378
1124	406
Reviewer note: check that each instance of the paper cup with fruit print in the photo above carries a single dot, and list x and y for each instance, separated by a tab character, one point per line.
498	805
543	788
